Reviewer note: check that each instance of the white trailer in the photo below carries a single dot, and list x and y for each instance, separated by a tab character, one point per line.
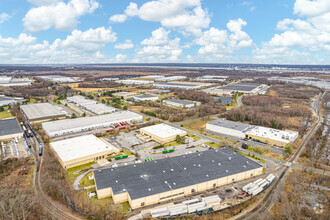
248	186
178	209
252	189
187	202
193	208
270	178
155	213
257	181
257	191
262	182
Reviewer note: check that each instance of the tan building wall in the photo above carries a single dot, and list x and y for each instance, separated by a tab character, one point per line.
267	140
160	139
11	136
161	197
83	160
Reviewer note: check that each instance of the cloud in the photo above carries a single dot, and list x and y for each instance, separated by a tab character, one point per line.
186	15
125	46
119	18
159	47
59	15
4	17
43	2
220	43
300	38
78	47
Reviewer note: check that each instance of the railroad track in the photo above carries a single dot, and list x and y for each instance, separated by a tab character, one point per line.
56	210
279	184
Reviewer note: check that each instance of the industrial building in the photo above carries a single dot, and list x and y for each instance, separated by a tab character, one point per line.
80	150
77	125
223	99
41	112
212	78
162	133
134	82
142	98
125	95
6	100
227	127
170	78
9	129
179	85
263	134
247	88
59	78
216	91
272	136
6	81
160	180
91	105
181	103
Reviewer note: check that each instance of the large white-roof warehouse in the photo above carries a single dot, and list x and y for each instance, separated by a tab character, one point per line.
70	126
162	133
80	150
41	111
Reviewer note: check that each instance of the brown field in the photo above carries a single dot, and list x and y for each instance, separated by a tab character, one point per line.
198	126
75	86
138	108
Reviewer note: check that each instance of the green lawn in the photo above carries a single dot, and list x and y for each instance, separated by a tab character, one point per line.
251	156
70	172
129	153
195	137
32	101
171	144
124	207
5	114
212	144
85	181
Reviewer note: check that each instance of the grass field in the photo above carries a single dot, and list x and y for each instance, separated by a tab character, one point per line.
212	144
196	138
197	126
5	114
253	157
85	181
71	176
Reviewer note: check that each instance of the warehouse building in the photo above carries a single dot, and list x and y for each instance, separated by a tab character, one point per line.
218	92
78	125
179	85
91	105
162	133
142	98
157	181
6	81
247	88
227	127
170	78
41	112
272	136
134	82
59	78
181	103
125	95
6	100
10	129
80	150
223	99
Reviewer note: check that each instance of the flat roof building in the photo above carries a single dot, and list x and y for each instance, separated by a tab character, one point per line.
162	133
81	150
217	91
160	180
123	94
134	82
223	99
77	125
9	129
181	103
59	78
6	100
231	128
91	105
179	85
170	78
41	112
142	98
272	136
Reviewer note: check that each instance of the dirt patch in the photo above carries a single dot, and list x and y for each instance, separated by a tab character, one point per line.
198	125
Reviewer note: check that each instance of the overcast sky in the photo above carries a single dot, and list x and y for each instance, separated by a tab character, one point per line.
111	31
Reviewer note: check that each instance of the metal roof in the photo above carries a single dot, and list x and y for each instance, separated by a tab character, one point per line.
241	86
231	124
146	96
154	177
163	130
41	111
9	126
180	101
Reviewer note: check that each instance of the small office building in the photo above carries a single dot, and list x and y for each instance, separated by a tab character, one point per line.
162	133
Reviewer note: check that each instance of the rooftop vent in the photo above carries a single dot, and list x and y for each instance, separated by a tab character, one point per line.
227	171
207	175
247	162
149	189
163	171
244	166
101	171
124	190
213	161
199	165
172	170
219	164
229	158
184	168
174	184
116	181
